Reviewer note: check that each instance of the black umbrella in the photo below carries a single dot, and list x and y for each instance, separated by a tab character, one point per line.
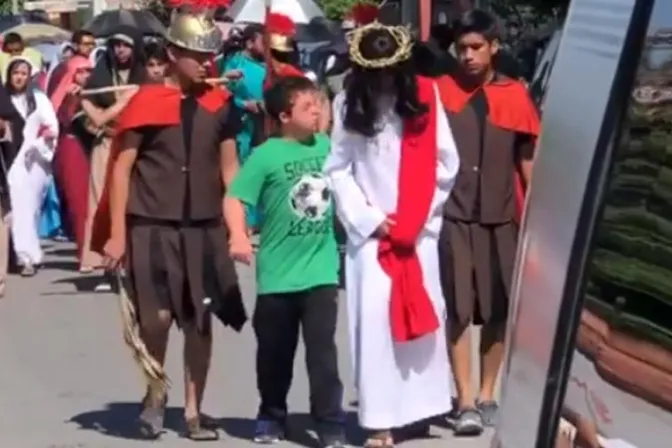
320	29
105	24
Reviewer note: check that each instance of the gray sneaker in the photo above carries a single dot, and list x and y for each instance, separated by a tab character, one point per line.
489	411
468	422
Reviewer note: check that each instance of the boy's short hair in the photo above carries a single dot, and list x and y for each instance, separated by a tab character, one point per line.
13	38
156	50
280	96
477	21
79	35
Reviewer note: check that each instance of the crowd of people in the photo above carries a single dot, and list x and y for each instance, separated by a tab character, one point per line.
169	156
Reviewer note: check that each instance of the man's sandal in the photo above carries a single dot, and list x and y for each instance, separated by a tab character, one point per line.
151	418
197	431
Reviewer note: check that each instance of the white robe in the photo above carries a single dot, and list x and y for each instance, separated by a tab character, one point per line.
28	176
397	383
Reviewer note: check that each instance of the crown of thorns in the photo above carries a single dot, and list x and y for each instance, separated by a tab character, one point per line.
402	38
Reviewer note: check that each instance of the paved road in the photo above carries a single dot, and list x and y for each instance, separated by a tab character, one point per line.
67	380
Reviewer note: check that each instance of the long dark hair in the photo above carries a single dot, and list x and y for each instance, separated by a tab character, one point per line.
363	89
30	89
365	86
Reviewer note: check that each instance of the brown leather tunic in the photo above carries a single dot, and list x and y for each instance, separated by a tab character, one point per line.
173	182
484	188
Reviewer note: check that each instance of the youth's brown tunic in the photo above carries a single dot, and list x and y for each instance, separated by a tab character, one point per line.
178	245
477	245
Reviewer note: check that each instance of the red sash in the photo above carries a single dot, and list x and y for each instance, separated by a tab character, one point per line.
411	311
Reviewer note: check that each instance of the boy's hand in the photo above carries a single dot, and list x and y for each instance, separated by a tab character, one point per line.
240	249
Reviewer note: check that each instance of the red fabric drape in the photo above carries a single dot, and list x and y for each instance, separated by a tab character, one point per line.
412	313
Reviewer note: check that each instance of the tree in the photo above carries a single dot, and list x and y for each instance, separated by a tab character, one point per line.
538	6
338	9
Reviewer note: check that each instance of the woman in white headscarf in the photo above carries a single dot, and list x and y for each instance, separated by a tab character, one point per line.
28	175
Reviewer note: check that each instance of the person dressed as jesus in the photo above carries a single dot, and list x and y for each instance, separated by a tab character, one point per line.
392	165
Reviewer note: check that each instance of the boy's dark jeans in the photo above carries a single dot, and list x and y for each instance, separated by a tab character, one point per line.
277	320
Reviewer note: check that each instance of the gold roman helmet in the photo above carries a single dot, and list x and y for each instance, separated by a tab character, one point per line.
373	45
192	26
281	30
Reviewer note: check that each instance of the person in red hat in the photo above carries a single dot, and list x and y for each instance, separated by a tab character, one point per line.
281	31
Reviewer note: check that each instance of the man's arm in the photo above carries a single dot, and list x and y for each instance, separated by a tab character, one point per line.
101	117
232	209
525	146
121	177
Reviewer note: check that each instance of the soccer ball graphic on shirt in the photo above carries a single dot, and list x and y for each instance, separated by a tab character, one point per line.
309	198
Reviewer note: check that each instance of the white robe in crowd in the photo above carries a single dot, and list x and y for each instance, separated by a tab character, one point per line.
397	383
28	176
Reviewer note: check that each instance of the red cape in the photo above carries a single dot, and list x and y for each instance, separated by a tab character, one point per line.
281	70
153	105
510	107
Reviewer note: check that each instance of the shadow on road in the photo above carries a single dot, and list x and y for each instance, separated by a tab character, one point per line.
61	265
120	420
82	283
63	252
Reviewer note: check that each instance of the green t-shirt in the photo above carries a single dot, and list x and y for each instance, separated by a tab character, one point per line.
297	247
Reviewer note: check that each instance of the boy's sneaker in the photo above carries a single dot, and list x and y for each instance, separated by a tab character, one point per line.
267	432
467	422
489	411
335	440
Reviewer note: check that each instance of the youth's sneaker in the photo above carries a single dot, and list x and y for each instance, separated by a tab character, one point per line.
468	423
489	411
268	432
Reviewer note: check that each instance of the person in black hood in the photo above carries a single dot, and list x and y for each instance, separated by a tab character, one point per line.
122	64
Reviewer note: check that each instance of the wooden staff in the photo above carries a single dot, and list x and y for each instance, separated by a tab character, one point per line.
122	88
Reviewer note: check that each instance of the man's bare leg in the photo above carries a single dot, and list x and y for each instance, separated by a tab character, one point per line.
492	356
155	337
197	352
467	420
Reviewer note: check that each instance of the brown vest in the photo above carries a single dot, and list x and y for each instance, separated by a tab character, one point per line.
164	173
488	183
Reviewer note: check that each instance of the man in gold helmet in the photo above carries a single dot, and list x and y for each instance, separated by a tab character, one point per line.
281	31
172	159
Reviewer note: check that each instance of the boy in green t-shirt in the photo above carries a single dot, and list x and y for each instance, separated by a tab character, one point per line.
297	261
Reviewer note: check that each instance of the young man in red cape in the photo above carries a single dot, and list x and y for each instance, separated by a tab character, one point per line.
280	31
391	168
495	125
173	157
